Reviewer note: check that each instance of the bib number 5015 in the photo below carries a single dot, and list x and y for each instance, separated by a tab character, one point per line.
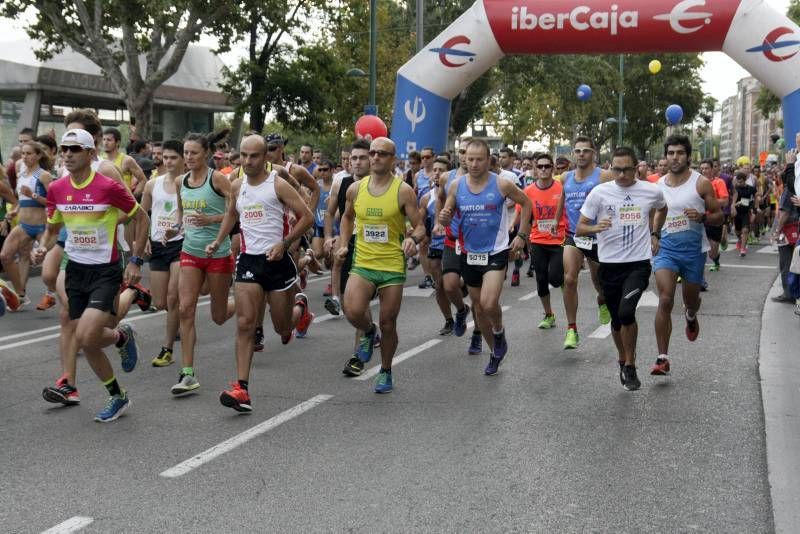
478	258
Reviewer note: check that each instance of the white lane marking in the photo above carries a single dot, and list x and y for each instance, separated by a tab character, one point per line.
53	336
242	438
602	331
529	296
73	524
53	328
328	316
726	265
472	323
770	249
400	357
415	291
648	299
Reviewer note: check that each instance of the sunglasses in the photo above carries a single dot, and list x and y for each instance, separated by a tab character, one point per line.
544	167
621	170
272	148
71	148
326	169
581	151
385	154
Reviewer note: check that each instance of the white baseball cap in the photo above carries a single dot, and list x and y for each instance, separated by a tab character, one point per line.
78	137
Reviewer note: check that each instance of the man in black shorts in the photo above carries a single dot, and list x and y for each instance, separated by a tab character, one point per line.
742	206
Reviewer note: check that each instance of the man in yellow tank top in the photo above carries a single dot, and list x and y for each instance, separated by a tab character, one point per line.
378	206
131	173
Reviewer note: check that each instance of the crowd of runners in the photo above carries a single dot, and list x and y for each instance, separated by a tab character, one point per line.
245	227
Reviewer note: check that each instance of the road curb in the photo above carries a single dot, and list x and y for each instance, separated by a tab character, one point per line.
779	368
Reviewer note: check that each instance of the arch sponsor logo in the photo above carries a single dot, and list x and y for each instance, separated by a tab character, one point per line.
453	57
580	18
683	20
777	49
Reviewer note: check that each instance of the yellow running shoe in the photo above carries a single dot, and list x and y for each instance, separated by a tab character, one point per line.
571	340
164	358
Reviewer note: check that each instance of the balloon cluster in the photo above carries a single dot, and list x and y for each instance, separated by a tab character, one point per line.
371	127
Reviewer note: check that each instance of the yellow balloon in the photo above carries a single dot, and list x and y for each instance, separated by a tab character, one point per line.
655	66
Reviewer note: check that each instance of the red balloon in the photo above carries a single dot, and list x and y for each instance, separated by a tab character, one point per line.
372	126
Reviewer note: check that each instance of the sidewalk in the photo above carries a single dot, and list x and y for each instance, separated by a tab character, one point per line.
779	367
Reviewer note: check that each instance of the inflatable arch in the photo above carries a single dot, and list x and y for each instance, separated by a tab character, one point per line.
762	40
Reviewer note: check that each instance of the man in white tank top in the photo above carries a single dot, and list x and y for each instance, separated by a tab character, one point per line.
160	197
264	269
691	203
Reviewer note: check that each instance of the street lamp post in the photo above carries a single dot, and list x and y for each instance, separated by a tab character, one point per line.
372	108
621	106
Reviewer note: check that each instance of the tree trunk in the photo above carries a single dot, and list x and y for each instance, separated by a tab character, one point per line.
141	111
236	129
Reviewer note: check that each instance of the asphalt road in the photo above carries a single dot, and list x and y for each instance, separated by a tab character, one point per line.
552	443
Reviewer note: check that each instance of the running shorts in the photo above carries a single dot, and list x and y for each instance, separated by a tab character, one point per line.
589	254
451	262
380	279
162	256
473	274
277	275
222	265
690	267
714	233
623	285
92	286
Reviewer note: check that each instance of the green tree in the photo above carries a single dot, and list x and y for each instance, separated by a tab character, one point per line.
117	35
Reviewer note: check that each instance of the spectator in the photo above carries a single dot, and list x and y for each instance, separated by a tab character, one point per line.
785	231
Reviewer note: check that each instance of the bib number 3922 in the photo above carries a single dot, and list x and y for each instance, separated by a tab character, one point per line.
376	233
478	258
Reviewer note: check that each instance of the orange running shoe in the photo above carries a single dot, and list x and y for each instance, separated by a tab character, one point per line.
237	398
47	302
12	299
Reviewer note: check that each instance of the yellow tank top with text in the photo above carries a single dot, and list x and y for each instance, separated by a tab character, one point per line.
127	177
380	229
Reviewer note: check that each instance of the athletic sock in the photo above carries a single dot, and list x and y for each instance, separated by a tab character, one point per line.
122	338
243	384
573	326
498	333
692	317
113	386
663	357
50	293
389	371
476	332
188	371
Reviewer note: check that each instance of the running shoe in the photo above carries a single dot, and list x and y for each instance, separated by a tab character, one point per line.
660	368
723	245
571	340
752	240
629	379
377	343
515	278
186	384
743	252
328	291
500	344
115	407
13	301
692	329
366	344
384	382
303	279
129	352
621	375
143	297
413	263
426	282
714	268
704	286
3	305
333	306
739	244
287	338
62	393
306	319
353	367
447	329
47	302
493	366
603	314
460	325
475	344
258	340
237	398
548	322
164	358
530	273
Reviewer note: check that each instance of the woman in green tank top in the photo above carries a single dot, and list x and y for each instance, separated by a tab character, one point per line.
203	195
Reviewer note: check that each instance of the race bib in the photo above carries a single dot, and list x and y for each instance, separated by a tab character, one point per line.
583	242
165	222
88	239
745	202
188	220
546	225
253	213
679	223
376	233
458	248
630	216
478	258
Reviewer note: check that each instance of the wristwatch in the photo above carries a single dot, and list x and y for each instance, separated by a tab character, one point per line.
414	239
136	260
656	235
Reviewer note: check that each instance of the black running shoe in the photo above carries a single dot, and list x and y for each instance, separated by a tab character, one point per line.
447	329
353	367
258	340
630	380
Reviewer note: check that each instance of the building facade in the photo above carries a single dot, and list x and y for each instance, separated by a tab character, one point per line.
744	131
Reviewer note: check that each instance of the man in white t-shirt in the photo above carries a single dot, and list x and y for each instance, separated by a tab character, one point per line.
625	246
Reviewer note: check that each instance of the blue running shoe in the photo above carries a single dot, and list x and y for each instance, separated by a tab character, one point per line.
2	305
116	406
129	352
493	365
500	344
476	344
366	344
384	382
460	326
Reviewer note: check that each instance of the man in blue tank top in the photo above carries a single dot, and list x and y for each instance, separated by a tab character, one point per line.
477	202
691	203
577	186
